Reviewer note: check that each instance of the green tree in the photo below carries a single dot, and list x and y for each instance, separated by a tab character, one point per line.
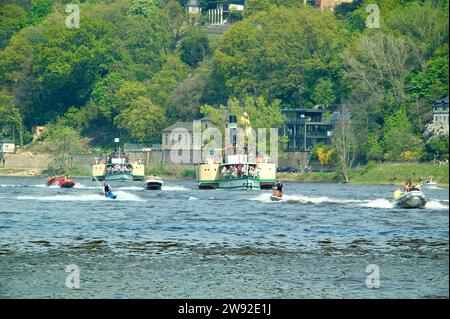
194	47
438	146
323	93
374	148
166	81
63	142
104	94
10	116
142	120
398	136
282	54
38	11
11	17
344	144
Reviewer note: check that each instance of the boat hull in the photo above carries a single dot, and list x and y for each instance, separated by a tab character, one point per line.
414	199
275	198
67	184
240	183
153	185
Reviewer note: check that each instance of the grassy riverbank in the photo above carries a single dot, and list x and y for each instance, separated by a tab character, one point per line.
397	173
382	174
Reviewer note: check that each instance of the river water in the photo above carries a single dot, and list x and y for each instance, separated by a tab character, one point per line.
182	242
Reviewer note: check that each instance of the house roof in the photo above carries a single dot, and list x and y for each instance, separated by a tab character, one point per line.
439	103
179	125
302	110
6	140
336	116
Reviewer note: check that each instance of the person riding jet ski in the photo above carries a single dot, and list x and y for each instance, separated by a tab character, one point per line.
107	190
278	192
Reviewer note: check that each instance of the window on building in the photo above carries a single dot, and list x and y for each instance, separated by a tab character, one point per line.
180	138
166	139
172	139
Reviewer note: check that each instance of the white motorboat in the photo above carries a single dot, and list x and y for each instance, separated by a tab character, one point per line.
153	183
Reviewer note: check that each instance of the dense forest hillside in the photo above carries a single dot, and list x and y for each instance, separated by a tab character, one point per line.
135	66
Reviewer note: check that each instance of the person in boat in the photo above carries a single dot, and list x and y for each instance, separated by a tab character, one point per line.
106	189
407	187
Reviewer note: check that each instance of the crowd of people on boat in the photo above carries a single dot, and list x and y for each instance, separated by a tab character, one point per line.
240	171
119	169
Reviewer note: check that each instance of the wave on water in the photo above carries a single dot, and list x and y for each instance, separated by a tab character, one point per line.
131	188
174	188
381	203
377	203
433	204
304	199
121	196
192	198
81	186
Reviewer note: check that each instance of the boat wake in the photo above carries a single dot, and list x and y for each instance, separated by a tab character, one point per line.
381	203
130	188
81	186
433	204
121	196
174	188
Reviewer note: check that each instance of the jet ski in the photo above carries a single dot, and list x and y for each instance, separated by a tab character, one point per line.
153	183
413	199
276	196
110	196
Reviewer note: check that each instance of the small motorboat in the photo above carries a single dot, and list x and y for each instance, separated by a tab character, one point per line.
66	183
430	183
52	180
413	199
153	183
63	182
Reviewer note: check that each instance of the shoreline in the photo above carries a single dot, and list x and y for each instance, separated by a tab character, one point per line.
283	180
392	174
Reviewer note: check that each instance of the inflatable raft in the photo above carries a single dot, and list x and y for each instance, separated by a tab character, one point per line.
413	199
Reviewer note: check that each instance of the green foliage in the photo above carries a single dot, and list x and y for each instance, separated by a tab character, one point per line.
63	142
166	81
11	122
398	136
282	54
194	47
438	146
144	8
38	11
136	65
158	170
188	173
374	148
11	17
104	94
142	120
323	93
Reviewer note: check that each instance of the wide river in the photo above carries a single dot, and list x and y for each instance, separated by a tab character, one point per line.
182	242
